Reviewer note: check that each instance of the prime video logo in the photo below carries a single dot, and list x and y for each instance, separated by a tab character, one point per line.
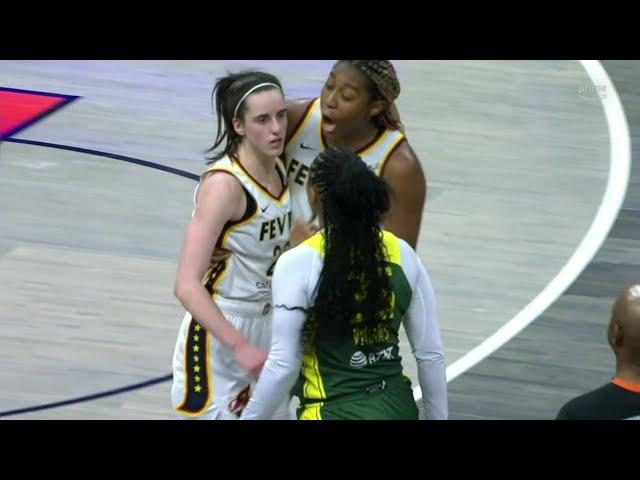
592	92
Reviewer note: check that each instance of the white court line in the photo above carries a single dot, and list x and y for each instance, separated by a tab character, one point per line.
620	154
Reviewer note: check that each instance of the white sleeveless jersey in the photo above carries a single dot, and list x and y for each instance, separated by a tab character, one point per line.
308	141
256	240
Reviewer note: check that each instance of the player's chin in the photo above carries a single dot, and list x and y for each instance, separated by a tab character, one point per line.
275	149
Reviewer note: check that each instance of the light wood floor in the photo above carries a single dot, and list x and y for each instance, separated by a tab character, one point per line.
516	162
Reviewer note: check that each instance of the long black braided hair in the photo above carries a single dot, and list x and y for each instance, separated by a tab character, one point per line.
353	286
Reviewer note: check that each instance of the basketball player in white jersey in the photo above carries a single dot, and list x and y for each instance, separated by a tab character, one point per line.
356	110
242	206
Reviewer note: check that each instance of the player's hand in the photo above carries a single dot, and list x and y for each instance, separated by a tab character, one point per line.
219	254
300	231
250	358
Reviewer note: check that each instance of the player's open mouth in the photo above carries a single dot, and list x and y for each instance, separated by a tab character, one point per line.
328	125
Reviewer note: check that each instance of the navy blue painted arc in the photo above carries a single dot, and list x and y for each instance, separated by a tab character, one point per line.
123	158
86	398
36	92
114	156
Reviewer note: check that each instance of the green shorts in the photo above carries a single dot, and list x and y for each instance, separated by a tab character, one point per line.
393	402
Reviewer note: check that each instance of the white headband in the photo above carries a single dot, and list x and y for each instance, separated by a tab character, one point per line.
235	112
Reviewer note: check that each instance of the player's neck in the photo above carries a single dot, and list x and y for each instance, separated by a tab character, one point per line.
260	166
355	140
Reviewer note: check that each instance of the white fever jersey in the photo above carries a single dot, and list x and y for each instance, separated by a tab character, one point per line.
307	141
256	240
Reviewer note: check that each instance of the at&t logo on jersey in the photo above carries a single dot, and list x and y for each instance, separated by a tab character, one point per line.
360	360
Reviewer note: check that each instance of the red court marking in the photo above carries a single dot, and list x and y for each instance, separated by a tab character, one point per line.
19	109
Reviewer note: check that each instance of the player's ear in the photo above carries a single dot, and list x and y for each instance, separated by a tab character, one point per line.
238	126
377	107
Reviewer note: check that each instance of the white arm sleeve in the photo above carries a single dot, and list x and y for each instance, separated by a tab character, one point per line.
421	325
290	287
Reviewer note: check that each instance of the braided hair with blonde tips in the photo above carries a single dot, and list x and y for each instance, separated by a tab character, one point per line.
383	85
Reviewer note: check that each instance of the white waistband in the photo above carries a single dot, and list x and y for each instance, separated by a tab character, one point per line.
243	307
